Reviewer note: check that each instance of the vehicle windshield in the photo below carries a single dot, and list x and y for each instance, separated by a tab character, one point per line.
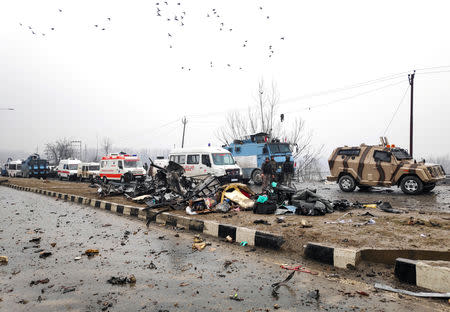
132	163
94	168
279	148
73	166
223	159
400	154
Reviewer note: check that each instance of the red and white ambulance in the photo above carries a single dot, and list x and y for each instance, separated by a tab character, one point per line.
115	165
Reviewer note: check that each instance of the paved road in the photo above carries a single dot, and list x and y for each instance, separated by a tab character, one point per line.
180	279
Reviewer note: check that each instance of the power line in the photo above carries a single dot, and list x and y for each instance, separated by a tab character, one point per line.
396	110
357	85
348	97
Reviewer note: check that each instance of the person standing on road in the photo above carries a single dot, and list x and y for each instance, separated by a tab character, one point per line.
274	165
266	174
287	170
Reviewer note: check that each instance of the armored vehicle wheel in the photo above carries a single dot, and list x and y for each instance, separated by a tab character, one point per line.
411	185
429	187
256	176
347	183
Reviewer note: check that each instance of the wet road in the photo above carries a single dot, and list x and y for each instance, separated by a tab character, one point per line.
437	200
170	276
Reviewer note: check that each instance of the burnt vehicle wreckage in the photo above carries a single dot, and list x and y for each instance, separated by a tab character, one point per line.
168	188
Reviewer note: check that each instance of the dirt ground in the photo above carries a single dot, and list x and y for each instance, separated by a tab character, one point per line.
431	232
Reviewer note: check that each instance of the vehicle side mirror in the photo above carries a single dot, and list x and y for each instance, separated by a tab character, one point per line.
208	163
120	166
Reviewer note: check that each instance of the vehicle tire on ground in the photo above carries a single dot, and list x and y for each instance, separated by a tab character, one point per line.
347	183
429	187
411	185
256	176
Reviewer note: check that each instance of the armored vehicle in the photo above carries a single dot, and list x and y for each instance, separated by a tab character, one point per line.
382	165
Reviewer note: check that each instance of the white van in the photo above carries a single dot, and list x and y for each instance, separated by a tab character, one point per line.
68	168
114	166
88	171
14	168
202	161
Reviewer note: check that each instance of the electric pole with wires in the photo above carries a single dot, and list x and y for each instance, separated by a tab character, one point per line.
411	117
184	121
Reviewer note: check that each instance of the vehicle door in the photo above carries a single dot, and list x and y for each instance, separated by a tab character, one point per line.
120	168
193	164
206	165
382	168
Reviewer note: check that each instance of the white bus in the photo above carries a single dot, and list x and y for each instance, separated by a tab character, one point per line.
14	168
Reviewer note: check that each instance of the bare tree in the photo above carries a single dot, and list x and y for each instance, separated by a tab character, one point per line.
107	145
61	149
264	117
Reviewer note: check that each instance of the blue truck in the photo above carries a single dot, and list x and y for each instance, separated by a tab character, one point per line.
35	167
251	151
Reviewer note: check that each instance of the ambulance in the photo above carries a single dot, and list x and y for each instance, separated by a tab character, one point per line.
115	165
67	168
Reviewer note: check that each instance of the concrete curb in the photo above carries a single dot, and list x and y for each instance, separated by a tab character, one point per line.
433	275
350	257
238	234
343	258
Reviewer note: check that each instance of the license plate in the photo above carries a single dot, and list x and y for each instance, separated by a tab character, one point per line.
234	180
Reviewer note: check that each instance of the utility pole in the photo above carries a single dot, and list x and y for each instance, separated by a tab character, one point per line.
411	117
184	121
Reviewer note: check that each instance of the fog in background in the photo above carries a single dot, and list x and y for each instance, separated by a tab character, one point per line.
125	82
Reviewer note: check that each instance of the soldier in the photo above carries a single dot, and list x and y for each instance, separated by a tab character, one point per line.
274	165
287	170
266	174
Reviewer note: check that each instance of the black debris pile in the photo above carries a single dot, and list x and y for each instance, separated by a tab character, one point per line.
282	199
118	280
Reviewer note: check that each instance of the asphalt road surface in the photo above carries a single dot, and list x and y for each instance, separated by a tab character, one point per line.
170	276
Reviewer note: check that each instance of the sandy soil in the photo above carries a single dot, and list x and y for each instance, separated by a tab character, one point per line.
389	230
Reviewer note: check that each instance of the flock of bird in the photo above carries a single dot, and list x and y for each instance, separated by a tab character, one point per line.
174	13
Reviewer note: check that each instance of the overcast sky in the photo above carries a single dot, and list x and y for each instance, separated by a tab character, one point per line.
126	82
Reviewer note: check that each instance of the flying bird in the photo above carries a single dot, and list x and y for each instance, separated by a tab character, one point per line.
282	38
103	28
29	27
169	35
59	10
20	24
52	28
109	18
96	25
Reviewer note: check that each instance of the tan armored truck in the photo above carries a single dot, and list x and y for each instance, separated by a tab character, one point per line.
382	165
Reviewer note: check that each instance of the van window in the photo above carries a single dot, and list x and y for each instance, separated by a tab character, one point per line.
172	158
19	166
102	164
382	156
349	152
193	159
206	160
223	159
94	168
181	159
72	166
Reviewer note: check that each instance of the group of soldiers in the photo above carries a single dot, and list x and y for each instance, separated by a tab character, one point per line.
269	171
